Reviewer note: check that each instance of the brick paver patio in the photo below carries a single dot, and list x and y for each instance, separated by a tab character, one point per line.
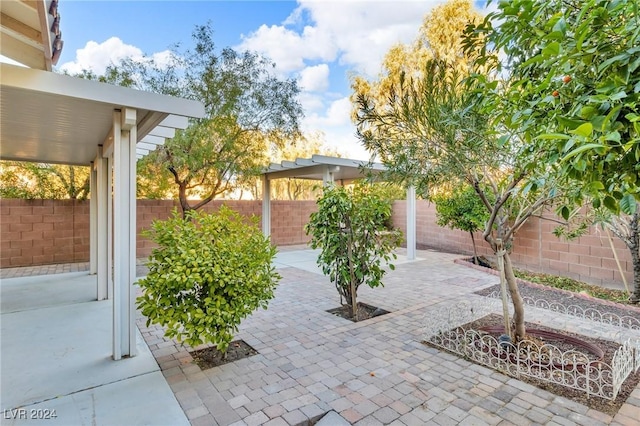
372	373
375	372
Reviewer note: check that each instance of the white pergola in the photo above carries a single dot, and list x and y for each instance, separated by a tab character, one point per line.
53	118
330	170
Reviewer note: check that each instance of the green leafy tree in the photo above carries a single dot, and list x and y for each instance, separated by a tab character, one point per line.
207	274
246	104
574	69
461	208
437	129
43	181
349	228
575	72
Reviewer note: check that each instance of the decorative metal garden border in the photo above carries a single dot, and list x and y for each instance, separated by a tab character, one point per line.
571	368
578	312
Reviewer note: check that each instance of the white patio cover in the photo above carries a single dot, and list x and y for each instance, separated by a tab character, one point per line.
53	118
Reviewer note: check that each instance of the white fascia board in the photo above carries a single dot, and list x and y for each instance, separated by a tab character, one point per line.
337	161
175	121
304	162
73	87
298	172
147	146
289	164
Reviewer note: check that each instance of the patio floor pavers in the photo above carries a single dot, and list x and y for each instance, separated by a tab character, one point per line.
372	372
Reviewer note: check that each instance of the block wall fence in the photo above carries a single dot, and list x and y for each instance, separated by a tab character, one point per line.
40	232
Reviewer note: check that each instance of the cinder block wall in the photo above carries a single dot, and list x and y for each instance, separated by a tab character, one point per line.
39	232
588	258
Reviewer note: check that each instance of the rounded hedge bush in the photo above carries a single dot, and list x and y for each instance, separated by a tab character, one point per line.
207	274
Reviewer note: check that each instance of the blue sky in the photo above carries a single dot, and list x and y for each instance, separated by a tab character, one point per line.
319	42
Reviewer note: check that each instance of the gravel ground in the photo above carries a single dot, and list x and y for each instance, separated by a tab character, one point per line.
537	292
541	292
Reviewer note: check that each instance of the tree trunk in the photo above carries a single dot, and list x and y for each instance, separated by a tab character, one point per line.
475	250
518	303
634	246
352	284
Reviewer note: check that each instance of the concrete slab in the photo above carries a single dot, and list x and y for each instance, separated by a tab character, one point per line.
135	401
24	293
59	356
62	349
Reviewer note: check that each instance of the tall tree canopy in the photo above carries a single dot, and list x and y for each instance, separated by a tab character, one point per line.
438	36
574	69
245	103
43	181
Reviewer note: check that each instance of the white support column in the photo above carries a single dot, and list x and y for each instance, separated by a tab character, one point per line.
93	220
411	222
328	172
124	233
103	199
108	161
266	206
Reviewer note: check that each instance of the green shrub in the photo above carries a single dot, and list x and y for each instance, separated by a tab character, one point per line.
209	272
461	208
349	228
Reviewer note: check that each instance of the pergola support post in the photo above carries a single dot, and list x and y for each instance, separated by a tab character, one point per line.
124	233
93	220
327	175
102	197
411	222
266	206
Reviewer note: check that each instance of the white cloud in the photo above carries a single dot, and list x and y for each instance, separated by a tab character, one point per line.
356	33
315	78
98	56
340	133
311	101
287	48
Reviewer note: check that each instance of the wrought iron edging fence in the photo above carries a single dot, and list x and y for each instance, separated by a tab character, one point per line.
590	314
572	368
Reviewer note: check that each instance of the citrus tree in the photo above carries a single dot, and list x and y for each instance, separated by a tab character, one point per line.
350	230
574	92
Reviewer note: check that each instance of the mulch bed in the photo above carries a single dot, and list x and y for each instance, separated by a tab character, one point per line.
364	312
594	402
211	357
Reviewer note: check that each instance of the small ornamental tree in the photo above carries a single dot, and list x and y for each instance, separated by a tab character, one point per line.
208	273
462	209
349	228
